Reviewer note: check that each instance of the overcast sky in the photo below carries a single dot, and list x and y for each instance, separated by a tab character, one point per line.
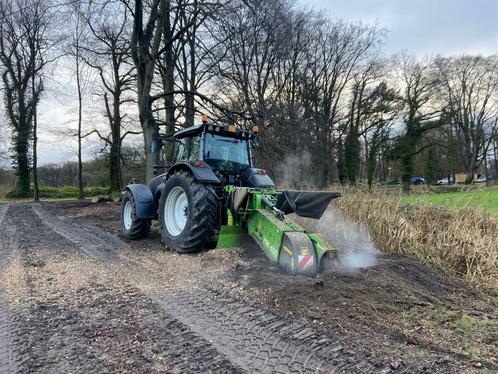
425	27
422	27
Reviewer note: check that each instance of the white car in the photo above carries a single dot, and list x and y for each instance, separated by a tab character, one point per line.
481	180
444	181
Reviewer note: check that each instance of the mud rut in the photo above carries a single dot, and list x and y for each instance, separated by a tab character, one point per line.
210	330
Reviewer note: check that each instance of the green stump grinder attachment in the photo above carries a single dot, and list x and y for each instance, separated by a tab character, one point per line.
261	214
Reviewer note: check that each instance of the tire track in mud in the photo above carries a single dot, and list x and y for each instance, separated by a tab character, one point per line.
8	363
185	351
86	238
258	340
254	339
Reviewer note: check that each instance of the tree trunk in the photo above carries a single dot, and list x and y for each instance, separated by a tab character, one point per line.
168	80
407	153
115	124
115	152
352	158
189	98
371	165
495	153
150	132
36	196
81	194
486	170
145	52
372	160
115	166
22	160
22	150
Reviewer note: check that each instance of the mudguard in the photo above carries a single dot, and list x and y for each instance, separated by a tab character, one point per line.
156	182
202	173
144	201
253	177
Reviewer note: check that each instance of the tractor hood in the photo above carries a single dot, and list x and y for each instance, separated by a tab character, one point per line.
305	203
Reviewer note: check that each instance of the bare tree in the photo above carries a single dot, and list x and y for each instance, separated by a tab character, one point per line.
252	41
185	64
419	81
470	91
148	45
23	41
108	52
77	35
373	107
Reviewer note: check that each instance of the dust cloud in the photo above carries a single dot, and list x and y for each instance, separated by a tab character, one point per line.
352	240
297	171
355	248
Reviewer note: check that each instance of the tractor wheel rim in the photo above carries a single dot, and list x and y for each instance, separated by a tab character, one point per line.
176	211
127	215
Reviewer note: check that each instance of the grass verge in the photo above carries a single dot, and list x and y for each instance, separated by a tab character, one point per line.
485	199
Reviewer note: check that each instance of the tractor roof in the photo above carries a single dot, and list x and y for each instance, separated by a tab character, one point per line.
231	131
189	131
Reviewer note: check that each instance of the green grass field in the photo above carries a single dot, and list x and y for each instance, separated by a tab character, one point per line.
485	199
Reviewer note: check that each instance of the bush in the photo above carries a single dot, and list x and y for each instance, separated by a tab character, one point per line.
66	192
15	194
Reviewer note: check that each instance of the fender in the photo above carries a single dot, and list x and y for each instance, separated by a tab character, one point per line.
202	173
144	201
157	195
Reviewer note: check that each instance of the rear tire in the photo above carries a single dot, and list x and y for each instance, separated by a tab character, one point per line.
188	214
132	227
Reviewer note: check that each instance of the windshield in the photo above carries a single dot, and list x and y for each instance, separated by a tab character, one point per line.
223	153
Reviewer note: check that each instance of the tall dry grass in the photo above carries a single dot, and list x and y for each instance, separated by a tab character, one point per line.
463	243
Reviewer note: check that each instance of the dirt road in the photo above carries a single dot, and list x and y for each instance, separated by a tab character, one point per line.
75	297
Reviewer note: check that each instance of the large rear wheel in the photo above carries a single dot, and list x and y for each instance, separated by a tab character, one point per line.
132	227
188	214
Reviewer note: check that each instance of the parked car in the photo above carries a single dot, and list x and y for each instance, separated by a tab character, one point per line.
418	180
481	179
445	181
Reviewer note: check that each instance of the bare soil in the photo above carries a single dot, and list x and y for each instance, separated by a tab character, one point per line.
75	297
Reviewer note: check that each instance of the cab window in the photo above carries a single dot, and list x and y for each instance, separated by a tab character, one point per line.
188	149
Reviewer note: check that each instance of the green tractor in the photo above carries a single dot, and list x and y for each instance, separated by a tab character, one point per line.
211	195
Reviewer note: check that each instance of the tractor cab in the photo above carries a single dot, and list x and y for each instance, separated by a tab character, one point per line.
226	150
223	148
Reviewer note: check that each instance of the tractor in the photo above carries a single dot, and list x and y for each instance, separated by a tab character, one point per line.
212	196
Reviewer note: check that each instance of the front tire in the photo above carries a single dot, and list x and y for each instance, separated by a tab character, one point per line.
188	214
132	227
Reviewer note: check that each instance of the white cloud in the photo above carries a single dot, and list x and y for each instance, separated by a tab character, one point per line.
425	27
